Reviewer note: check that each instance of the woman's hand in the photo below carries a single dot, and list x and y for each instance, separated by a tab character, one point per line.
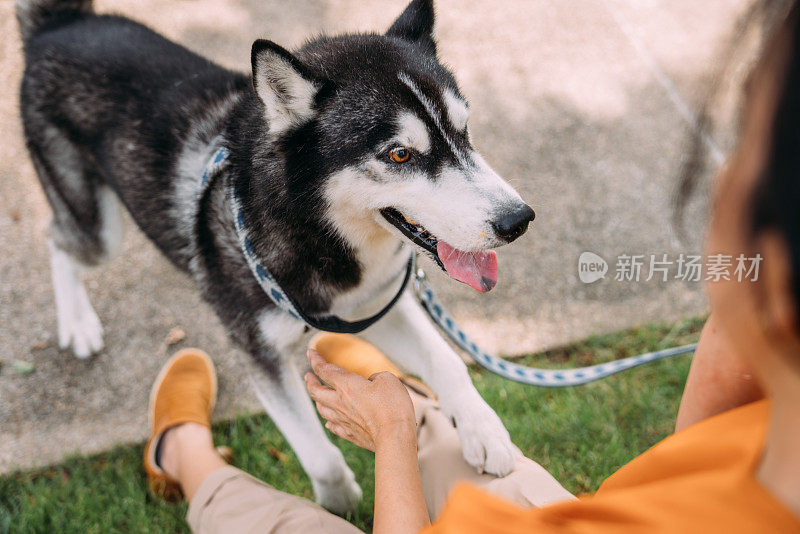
375	414
365	412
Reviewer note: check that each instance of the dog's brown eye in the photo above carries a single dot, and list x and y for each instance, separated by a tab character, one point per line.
399	154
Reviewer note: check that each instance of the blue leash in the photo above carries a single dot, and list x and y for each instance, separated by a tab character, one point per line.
330	323
548	378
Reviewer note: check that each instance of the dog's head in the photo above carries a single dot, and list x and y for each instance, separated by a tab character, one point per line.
380	129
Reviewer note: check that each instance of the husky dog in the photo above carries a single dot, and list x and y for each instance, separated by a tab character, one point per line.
347	154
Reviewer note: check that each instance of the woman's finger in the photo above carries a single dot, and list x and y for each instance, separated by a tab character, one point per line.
318	391
329	413
339	430
330	373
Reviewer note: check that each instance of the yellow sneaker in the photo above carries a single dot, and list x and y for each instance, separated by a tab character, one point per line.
185	391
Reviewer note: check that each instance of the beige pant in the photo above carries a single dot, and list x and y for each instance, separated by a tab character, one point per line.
230	500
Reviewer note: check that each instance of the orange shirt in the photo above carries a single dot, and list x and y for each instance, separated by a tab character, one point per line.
698	480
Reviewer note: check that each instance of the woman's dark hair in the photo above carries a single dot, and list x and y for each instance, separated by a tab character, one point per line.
776	199
775	203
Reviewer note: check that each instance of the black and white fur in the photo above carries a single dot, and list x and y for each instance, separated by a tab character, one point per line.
116	115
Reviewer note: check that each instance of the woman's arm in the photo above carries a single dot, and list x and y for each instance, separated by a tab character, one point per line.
375	414
399	502
718	380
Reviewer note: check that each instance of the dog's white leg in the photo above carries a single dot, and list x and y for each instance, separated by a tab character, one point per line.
111	229
285	399
287	403
408	338
78	325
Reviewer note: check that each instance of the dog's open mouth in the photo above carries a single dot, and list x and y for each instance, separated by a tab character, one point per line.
476	269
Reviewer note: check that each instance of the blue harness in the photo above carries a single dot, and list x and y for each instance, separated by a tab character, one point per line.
424	293
327	323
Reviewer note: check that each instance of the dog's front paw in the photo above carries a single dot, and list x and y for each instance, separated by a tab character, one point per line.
340	496
485	442
80	329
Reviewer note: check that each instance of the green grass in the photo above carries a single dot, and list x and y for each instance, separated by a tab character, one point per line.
581	435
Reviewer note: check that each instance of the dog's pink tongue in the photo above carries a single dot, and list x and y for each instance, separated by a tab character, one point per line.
476	269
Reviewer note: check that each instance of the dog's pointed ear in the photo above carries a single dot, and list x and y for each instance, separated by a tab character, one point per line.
415	24
284	85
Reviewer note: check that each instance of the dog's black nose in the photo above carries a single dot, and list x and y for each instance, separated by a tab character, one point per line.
512	224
